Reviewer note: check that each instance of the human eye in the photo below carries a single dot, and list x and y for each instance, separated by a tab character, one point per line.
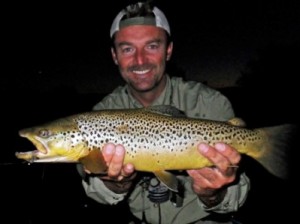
153	46
127	50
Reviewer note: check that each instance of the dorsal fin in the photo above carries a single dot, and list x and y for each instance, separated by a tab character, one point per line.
166	110
236	121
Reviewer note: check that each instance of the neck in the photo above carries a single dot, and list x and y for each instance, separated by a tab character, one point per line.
148	97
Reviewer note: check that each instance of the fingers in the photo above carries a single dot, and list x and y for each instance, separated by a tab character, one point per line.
229	153
205	181
108	152
208	180
114	157
224	157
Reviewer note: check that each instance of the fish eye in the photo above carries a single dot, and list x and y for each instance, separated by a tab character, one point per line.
44	133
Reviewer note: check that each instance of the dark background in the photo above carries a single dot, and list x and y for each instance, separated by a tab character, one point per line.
57	62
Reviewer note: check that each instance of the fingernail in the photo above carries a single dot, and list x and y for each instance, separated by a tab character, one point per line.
129	167
204	148
119	150
220	147
109	149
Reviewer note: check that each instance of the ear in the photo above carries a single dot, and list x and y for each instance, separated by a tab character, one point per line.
169	51
114	55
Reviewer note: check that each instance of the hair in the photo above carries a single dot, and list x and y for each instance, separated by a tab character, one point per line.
142	10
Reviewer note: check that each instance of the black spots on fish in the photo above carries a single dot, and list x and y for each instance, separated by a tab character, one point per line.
131	155
91	132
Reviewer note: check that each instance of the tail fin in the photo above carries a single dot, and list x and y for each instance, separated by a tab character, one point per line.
277	150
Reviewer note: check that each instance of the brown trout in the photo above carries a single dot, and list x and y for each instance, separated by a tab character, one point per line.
156	139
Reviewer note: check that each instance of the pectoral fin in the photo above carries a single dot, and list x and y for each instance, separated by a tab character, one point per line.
94	162
168	179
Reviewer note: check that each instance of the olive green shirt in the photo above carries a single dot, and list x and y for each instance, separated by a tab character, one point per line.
197	101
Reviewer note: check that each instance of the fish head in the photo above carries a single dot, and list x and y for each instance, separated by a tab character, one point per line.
58	141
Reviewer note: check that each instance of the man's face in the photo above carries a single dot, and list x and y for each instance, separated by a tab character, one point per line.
141	53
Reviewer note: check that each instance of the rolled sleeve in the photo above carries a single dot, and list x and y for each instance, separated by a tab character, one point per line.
96	190
235	197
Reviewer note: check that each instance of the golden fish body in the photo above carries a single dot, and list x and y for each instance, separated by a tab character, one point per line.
155	139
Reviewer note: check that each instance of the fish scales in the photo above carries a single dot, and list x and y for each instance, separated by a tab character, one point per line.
155	139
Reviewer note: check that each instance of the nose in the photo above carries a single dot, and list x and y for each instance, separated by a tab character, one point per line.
140	57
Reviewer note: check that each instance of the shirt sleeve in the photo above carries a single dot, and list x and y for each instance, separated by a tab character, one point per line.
235	197
96	190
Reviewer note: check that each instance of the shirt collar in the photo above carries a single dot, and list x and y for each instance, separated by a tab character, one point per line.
165	97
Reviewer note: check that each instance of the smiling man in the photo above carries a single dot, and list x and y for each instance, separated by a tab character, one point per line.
142	46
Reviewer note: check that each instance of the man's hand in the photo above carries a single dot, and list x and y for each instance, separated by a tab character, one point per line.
114	158
210	183
119	176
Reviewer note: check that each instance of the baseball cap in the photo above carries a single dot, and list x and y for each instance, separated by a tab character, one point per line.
159	19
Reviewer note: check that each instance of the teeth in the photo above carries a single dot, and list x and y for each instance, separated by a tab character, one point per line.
141	72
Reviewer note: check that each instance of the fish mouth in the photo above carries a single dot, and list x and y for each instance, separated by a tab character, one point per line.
29	156
41	150
39	144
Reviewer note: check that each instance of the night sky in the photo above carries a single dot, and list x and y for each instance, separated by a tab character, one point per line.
67	46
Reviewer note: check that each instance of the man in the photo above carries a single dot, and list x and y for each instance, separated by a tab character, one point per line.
141	48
